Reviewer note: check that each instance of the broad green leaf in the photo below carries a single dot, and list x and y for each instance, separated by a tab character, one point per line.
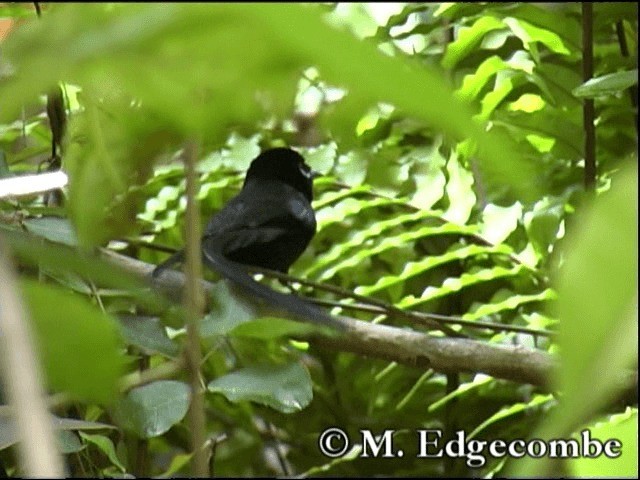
60	258
563	128
622	427
511	303
149	334
151	410
499	222
460	192
597	297
543	224
69	332
607	84
429	177
412	269
352	168
455	284
468	39
473	83
227	312
286	388
321	159
597	311
106	446
511	410
68	442
552	18
355	255
270	328
530	34
55	229
478	380
9	433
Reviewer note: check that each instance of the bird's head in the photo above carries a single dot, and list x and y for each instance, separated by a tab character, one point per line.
284	165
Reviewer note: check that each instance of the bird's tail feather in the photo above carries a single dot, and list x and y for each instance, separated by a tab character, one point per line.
290	303
172	260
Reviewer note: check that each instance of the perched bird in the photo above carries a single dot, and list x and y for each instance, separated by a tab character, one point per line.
268	225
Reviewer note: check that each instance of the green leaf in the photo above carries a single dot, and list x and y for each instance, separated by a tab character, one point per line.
597	311
321	159
511	410
286	388
9	432
60	258
622	427
543	223
468	39
455	284
151	410
511	303
460	192
227	312
412	269
429	177
55	229
270	328
70	332
105	445
499	222
597	300
530	34
355	251
607	84
149	334
352	168
473	83
68	442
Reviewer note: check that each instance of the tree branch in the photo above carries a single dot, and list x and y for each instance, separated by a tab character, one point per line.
409	347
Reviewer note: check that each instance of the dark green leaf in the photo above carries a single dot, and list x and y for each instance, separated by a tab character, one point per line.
151	410
55	229
79	345
607	84
286	388
149	334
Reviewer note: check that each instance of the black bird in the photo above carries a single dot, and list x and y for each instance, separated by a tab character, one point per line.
268	225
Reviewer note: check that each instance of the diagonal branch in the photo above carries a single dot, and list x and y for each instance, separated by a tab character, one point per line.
409	347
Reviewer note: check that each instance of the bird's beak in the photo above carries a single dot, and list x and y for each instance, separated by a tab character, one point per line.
315	174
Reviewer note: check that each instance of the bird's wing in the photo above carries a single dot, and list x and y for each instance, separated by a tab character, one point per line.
245	221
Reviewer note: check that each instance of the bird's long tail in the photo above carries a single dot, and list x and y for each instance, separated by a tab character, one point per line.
172	260
291	304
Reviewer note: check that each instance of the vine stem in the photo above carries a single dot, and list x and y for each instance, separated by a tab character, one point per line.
194	304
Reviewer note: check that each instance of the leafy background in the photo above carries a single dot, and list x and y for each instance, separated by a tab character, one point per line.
451	140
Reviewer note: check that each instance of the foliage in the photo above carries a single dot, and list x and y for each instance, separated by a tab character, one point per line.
451	141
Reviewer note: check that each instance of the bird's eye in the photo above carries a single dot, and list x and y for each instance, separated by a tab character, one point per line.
306	170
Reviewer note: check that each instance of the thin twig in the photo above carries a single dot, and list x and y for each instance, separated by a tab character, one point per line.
420	317
588	111
624	50
194	303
